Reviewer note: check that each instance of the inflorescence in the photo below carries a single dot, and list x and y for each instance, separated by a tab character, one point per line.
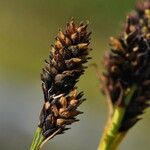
59	77
128	65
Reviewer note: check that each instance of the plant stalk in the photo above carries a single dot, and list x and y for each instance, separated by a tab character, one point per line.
118	140
111	139
37	139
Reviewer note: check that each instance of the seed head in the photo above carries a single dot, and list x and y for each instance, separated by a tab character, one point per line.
128	64
59	76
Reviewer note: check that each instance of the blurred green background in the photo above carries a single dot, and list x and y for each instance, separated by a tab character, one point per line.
27	29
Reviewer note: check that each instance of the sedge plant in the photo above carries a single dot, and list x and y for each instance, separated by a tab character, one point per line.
59	77
126	79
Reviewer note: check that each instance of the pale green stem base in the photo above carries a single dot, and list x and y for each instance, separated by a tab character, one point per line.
37	140
111	139
118	140
112	130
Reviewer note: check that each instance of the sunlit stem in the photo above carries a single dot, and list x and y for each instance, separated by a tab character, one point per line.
118	140
111	133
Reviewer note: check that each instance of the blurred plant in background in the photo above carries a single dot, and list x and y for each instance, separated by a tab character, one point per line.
126	81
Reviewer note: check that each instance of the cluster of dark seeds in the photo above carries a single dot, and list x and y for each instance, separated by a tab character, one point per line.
128	64
59	76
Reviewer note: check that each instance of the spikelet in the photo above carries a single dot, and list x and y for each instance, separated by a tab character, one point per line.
128	64
59	76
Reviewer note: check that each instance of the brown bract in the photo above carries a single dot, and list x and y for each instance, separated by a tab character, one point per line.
60	74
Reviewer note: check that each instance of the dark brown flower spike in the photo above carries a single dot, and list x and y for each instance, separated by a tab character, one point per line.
126	80
128	64
59	76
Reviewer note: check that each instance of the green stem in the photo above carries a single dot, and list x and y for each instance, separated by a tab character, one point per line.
118	140
37	140
111	132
